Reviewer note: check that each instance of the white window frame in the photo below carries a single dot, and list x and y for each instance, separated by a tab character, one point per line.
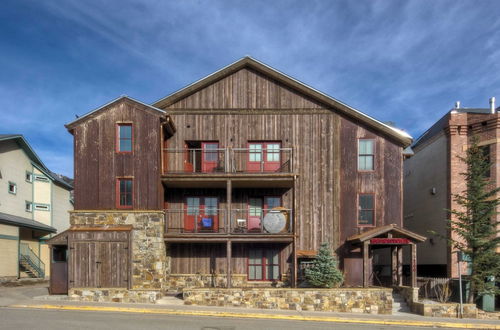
41	207
14	190
28	206
41	178
28	177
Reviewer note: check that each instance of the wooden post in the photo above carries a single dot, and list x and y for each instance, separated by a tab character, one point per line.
294	263
400	265
394	265
229	203
366	265
413	265
228	262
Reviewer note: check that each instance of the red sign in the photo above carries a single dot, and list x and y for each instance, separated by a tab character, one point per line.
390	241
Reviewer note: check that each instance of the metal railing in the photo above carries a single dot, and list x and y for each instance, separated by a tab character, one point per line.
30	260
241	221
227	160
251	221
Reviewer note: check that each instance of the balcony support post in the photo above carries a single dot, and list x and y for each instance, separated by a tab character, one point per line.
228	263
229	201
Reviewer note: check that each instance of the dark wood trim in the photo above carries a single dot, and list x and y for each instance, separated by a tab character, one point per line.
117	195
374	223
228	263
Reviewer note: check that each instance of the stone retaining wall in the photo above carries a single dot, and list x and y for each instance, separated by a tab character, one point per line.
434	309
178	282
113	295
444	310
373	301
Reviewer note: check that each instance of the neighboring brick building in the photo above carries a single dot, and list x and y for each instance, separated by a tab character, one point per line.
432	177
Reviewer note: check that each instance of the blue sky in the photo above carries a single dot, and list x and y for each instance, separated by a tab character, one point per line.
400	61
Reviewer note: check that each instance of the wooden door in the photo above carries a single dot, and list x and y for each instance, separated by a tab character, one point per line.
59	269
272	156
210	156
254	214
113	264
209	214
191	214
255	157
100	263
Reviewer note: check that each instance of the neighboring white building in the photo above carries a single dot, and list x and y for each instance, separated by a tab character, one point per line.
34	205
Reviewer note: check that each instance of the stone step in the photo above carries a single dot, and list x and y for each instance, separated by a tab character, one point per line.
169	300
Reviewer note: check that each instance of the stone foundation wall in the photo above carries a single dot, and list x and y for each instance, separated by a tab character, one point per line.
149	262
444	310
408	293
113	295
373	301
178	282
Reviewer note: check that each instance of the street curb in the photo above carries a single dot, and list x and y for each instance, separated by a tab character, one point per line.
263	316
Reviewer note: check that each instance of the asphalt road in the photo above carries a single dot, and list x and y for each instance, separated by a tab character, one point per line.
19	319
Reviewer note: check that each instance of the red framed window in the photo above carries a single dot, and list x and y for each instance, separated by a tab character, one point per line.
366	209
124	193
124	138
258	208
263	264
366	155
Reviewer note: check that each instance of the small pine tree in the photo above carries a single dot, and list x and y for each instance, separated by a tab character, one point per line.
324	272
475	223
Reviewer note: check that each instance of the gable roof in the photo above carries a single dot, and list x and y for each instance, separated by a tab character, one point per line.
94	112
377	231
35	160
399	135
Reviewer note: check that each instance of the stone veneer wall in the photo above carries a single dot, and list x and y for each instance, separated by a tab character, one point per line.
444	310
113	295
434	309
373	301
178	282
149	262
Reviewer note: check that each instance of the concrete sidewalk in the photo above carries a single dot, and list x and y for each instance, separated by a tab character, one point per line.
24	298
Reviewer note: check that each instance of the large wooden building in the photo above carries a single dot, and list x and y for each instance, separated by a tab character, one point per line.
234	180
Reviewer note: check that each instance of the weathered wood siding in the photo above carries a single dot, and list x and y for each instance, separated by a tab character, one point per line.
97	164
211	257
247	106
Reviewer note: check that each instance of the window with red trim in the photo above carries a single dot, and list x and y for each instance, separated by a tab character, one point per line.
366	211
125	193
124	138
263	264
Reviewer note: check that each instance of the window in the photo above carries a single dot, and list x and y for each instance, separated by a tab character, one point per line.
59	253
255	152
42	207
366	210
12	188
124	193
41	178
263	264
365	155
201	214
29	206
124	139
29	176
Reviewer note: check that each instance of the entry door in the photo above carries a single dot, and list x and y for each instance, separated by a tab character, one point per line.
210	156
264	156
272	157
201	214
254	214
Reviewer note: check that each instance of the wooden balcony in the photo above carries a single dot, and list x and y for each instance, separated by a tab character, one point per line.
190	168
220	225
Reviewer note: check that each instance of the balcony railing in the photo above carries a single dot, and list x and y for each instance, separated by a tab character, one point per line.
228	160
241	221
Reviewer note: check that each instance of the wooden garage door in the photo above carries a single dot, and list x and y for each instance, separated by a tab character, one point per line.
99	264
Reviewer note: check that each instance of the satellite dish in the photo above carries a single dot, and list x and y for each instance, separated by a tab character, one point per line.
275	221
